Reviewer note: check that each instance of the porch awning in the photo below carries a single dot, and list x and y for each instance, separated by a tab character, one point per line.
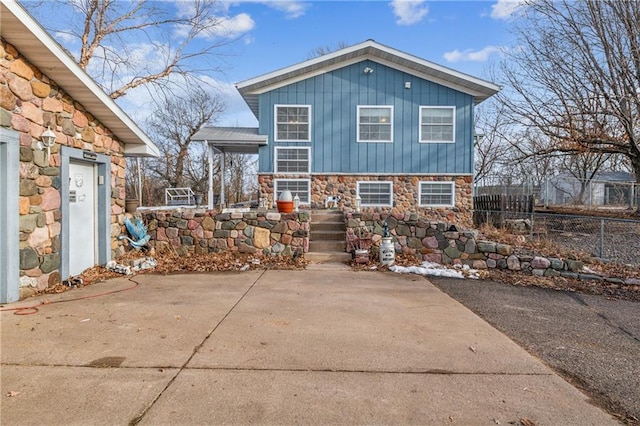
239	140
232	140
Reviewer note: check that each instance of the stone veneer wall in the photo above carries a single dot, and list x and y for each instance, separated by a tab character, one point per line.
29	102
206	231
405	194
434	242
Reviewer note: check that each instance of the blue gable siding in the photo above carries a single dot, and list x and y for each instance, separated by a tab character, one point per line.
334	97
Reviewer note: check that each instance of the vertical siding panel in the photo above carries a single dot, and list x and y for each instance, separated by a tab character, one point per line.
334	97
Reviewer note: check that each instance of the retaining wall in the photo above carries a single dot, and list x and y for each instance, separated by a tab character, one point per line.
442	243
207	231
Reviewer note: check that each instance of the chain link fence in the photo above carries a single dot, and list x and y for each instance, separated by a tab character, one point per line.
619	190
610	239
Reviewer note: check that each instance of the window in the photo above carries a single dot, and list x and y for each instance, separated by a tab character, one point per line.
293	123
292	160
375	123
376	193
437	124
437	194
299	187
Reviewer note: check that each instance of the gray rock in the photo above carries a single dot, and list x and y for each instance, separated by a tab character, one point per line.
28	258
574	265
513	263
486	246
540	263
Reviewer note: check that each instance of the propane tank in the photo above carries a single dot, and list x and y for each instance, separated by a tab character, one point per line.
387	251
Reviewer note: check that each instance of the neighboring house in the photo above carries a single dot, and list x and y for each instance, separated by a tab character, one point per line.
366	121
61	207
605	188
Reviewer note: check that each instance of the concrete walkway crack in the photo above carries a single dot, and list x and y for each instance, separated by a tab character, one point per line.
610	322
139	418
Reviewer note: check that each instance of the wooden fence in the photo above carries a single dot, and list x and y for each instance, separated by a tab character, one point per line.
495	209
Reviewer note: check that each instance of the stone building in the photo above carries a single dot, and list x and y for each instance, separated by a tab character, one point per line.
62	202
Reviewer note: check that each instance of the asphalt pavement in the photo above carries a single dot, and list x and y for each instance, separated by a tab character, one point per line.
272	347
592	340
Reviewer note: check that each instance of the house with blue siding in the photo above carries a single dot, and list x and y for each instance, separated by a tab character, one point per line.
371	124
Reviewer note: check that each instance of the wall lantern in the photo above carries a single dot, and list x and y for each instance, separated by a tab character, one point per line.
368	70
47	139
358	203
296	203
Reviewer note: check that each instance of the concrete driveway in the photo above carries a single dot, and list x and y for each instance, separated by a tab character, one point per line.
272	347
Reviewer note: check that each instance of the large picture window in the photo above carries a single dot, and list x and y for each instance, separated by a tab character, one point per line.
299	187
375	193
437	124
437	194
292	160
375	123
293	123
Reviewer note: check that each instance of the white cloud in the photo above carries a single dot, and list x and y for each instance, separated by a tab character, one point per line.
409	12
504	9
65	38
233	26
469	55
292	9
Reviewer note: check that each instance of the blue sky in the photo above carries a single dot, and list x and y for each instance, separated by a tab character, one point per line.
464	35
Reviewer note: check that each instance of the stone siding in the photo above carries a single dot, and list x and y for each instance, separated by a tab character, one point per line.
439	242
206	231
405	194
29	102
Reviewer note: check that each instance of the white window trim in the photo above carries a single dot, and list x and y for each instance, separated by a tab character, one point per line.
438	107
389	183
275	160
358	123
275	188
275	122
453	193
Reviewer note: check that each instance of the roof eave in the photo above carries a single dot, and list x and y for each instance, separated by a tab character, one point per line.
476	87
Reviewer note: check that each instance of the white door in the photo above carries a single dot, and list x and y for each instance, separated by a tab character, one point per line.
82	217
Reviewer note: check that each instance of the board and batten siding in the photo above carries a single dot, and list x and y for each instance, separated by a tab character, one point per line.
334	97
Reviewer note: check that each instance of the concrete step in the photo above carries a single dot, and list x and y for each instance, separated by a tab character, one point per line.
327	246
328	266
321	216
327	235
328	257
327	226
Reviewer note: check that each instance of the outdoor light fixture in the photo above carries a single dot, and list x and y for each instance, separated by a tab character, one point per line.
368	70
358	203
47	139
296	203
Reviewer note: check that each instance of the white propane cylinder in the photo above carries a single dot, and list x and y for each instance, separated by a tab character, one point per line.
387	251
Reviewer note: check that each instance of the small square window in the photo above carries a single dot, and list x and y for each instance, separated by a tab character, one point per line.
437	194
299	187
375	123
292	123
376	193
292	160
437	124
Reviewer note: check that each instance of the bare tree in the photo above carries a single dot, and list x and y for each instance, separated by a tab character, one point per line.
584	168
323	50
240	168
489	143
129	44
575	76
172	125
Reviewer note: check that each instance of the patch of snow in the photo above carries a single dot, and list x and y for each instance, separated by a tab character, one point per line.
437	270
